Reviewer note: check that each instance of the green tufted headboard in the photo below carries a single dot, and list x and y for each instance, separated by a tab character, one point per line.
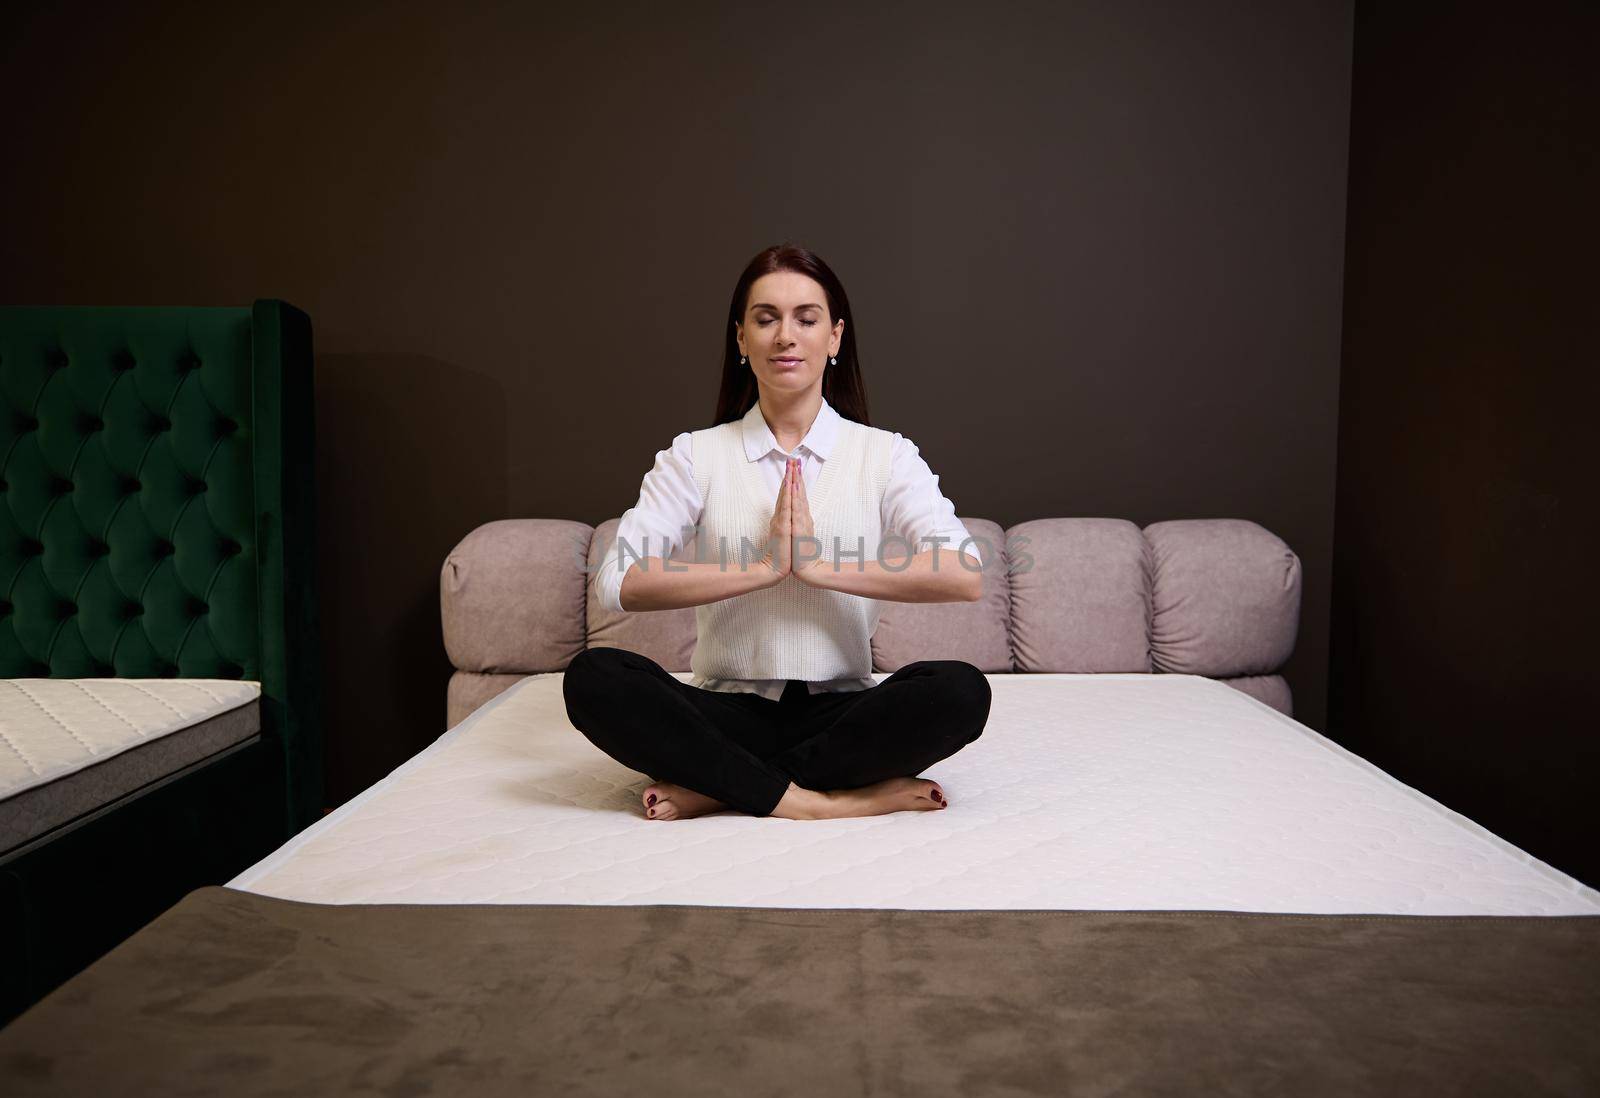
156	474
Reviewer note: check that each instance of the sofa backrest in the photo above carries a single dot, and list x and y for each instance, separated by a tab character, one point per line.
1213	597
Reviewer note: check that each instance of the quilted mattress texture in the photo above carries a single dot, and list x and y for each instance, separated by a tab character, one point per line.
1085	792
69	746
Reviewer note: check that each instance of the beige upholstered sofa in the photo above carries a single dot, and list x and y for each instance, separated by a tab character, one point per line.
1213	597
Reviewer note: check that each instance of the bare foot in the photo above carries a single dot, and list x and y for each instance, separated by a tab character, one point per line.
878	799
665	801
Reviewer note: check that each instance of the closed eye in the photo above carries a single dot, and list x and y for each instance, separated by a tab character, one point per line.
763	323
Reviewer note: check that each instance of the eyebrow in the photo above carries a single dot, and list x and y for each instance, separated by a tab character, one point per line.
774	308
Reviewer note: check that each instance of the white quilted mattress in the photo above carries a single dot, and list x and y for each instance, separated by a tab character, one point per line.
53	727
1109	792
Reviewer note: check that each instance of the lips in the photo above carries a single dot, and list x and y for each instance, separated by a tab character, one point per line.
790	361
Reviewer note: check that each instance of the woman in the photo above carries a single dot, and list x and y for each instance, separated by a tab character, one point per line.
797	493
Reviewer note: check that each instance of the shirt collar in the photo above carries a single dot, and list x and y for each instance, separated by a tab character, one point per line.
759	440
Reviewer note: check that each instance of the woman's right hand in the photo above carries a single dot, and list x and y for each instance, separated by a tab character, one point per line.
780	531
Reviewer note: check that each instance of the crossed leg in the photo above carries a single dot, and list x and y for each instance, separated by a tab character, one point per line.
813	756
924	712
709	741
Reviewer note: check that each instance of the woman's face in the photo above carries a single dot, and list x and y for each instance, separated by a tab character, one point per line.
786	333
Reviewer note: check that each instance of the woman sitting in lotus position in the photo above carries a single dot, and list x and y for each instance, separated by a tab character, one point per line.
803	504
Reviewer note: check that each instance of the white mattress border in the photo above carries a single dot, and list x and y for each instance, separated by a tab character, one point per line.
39	780
1565	881
284	852
1554	876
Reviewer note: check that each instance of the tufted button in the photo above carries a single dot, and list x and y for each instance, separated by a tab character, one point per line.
226	427
65	609
189	361
5	609
130	611
231	547
131	485
160	423
29	423
122	360
196	487
98	548
31	547
165	548
94	423
4	487
197	608
57	359
231	671
61	487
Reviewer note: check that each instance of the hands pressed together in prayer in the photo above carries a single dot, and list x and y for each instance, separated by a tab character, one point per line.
791	527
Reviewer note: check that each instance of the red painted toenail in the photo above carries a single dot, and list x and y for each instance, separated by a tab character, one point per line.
652	812
652	799
936	795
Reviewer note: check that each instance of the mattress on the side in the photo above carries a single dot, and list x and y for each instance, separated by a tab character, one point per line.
71	746
1085	792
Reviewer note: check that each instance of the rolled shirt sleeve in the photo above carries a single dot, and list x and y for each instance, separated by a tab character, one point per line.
914	508
669	508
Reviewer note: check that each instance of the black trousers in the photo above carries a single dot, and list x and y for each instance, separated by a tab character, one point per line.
744	750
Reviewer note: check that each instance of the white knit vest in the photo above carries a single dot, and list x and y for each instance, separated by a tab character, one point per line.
791	630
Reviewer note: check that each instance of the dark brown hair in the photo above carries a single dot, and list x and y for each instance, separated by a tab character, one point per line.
841	384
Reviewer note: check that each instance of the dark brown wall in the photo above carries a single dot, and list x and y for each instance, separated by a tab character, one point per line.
1464	641
1095	253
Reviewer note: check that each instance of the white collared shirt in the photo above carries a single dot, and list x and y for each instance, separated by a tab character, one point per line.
669	508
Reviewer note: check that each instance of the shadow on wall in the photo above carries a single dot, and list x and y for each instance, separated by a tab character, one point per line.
407	463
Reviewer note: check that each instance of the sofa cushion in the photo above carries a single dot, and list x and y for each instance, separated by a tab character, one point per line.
511	595
977	632
1080	596
1225	598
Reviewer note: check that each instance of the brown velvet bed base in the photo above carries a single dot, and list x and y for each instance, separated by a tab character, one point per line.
233	993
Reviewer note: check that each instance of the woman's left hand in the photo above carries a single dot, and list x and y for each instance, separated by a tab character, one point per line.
800	527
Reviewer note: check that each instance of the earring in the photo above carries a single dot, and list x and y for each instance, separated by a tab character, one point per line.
741	360
832	361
